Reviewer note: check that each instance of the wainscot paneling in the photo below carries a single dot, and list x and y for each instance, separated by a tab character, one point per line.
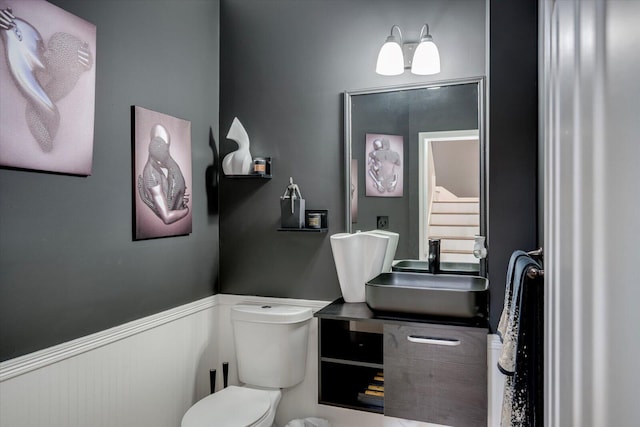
145	373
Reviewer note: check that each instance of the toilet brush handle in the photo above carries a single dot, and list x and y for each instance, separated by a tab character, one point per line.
225	374
212	380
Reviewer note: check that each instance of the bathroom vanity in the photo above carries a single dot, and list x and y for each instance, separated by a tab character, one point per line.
431	369
422	354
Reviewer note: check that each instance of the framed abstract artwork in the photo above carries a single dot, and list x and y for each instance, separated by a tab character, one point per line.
384	167
47	82
161	174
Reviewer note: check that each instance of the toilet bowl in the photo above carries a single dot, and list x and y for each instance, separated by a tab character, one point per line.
271	350
234	406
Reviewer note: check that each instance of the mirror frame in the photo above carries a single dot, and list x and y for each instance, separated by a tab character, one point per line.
484	159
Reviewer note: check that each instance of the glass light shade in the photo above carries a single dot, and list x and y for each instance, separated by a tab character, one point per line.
426	59
390	59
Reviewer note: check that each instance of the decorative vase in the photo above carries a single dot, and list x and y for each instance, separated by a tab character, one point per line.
238	162
359	257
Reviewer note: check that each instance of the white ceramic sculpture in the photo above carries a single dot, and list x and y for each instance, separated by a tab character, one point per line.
358	257
391	247
238	162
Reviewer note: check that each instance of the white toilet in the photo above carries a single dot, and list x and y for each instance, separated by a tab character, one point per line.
271	350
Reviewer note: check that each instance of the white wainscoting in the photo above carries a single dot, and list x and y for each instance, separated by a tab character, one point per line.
145	373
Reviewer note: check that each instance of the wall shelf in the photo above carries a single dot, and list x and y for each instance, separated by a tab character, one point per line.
324	222
252	176
305	230
267	175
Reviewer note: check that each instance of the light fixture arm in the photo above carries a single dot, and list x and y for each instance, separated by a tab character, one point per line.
391	38
423	35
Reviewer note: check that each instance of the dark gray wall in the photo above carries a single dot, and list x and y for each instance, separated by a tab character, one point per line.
284	67
68	265
513	146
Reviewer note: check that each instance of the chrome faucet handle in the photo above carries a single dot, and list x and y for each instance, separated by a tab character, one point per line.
479	248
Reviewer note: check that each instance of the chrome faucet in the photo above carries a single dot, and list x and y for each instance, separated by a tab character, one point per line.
434	256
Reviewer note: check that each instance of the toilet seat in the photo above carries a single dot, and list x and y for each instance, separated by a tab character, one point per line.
230	407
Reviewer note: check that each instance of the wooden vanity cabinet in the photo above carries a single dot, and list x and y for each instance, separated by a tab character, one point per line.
436	373
432	372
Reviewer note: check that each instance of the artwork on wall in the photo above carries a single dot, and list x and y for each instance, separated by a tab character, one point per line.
162	174
354	190
47	82
384	169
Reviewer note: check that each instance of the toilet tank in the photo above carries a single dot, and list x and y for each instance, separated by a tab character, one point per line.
271	344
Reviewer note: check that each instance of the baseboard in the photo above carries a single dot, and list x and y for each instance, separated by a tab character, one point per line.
36	360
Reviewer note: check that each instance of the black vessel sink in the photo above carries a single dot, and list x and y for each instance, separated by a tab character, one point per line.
428	294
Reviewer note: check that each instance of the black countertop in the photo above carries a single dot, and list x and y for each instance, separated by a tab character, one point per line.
360	311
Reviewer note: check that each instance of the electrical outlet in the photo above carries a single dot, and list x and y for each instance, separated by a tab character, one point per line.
383	222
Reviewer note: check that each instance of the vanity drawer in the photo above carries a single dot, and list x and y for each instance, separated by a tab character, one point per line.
436	374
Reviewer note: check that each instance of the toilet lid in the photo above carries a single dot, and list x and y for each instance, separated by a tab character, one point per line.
230	407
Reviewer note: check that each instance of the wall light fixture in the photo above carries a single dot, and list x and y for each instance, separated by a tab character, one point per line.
421	57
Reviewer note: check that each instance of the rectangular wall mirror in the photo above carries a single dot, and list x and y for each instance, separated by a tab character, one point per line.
416	165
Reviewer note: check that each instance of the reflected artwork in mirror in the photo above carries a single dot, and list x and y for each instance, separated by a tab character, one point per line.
440	162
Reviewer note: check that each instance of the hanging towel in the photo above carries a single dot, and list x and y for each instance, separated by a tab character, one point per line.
511	313
508	292
521	356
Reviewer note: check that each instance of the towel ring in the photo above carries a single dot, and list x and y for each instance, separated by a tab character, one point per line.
535	273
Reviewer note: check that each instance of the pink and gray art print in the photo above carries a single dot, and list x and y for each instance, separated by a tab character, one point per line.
162	174
47	82
384	175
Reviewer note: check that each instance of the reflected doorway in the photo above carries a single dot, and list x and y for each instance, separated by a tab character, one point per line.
450	194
